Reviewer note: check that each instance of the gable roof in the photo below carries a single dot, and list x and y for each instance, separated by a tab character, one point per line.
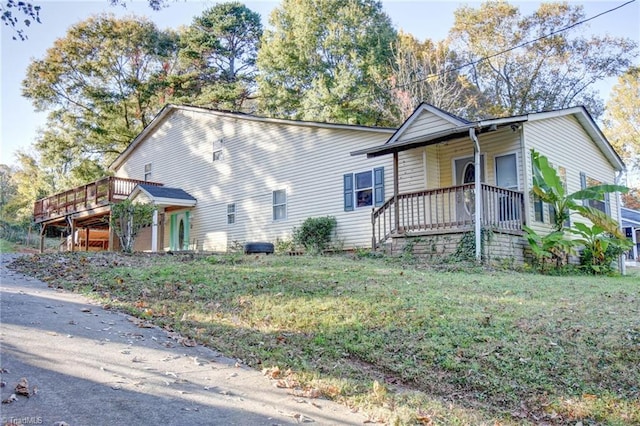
161	195
169	109
463	127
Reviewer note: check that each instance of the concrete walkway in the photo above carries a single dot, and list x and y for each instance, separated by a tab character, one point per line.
88	366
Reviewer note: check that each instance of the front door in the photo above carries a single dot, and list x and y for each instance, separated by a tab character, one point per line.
179	231
465	172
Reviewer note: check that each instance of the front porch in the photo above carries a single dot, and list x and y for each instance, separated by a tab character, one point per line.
447	210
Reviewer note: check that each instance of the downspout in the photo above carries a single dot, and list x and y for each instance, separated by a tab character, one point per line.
478	197
396	184
622	266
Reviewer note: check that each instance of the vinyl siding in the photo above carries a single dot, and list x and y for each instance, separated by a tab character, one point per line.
565	143
440	160
258	158
424	124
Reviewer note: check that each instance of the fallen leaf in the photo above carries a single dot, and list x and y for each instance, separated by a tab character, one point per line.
10	399
22	388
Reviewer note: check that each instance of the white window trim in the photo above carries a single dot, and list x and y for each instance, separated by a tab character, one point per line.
356	190
274	205
147	173
518	169
231	214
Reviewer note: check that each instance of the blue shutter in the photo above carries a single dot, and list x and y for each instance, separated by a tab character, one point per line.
378	186
583	185
348	192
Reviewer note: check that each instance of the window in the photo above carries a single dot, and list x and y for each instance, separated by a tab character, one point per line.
217	150
147	172
507	171
280	204
602	205
231	214
363	189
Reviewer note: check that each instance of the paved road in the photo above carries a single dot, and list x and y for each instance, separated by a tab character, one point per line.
88	366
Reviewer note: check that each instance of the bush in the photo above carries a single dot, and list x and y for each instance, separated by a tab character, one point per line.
315	233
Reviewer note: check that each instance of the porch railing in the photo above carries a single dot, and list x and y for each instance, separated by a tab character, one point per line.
447	209
86	197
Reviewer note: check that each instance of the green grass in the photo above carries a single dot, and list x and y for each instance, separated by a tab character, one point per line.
406	343
6	246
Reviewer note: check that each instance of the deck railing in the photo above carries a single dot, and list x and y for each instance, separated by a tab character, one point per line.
447	209
86	197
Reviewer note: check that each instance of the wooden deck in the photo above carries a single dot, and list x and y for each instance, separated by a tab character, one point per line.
89	203
445	210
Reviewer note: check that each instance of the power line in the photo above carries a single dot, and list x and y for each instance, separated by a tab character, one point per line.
468	64
485	58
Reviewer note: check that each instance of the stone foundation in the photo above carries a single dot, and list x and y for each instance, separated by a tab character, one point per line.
496	247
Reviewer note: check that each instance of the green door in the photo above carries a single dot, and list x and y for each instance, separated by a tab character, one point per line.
179	231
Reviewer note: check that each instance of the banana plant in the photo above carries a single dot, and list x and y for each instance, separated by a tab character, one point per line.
548	186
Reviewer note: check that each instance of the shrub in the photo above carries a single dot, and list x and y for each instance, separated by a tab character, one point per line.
315	233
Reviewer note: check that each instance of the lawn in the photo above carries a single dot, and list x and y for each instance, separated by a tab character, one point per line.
404	342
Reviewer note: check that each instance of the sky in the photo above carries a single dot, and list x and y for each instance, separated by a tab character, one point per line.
19	122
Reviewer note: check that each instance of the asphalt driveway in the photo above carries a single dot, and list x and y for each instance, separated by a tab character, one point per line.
66	359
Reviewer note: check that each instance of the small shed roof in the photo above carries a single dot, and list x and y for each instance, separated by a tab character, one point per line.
162	195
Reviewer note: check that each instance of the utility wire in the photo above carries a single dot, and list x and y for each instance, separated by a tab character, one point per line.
485	58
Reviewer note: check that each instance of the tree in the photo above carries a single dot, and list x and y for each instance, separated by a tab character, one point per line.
428	72
218	51
101	83
622	118
127	219
27	183
15	14
327	61
557	70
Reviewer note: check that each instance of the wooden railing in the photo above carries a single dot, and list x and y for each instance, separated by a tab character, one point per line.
447	209
86	197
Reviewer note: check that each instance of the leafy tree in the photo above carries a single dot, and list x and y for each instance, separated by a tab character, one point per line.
28	182
101	83
429	72
219	51
127	219
327	61
622	117
632	199
555	71
14	14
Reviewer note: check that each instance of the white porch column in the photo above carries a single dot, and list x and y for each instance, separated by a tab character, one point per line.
154	231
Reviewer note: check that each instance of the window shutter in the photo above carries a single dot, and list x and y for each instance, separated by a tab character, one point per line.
583	185
348	192
378	186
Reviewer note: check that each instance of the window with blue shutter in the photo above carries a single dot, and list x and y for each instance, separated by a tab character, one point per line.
348	192
363	189
378	186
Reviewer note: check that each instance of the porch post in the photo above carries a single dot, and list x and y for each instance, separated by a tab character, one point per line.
42	234
154	231
478	197
395	191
